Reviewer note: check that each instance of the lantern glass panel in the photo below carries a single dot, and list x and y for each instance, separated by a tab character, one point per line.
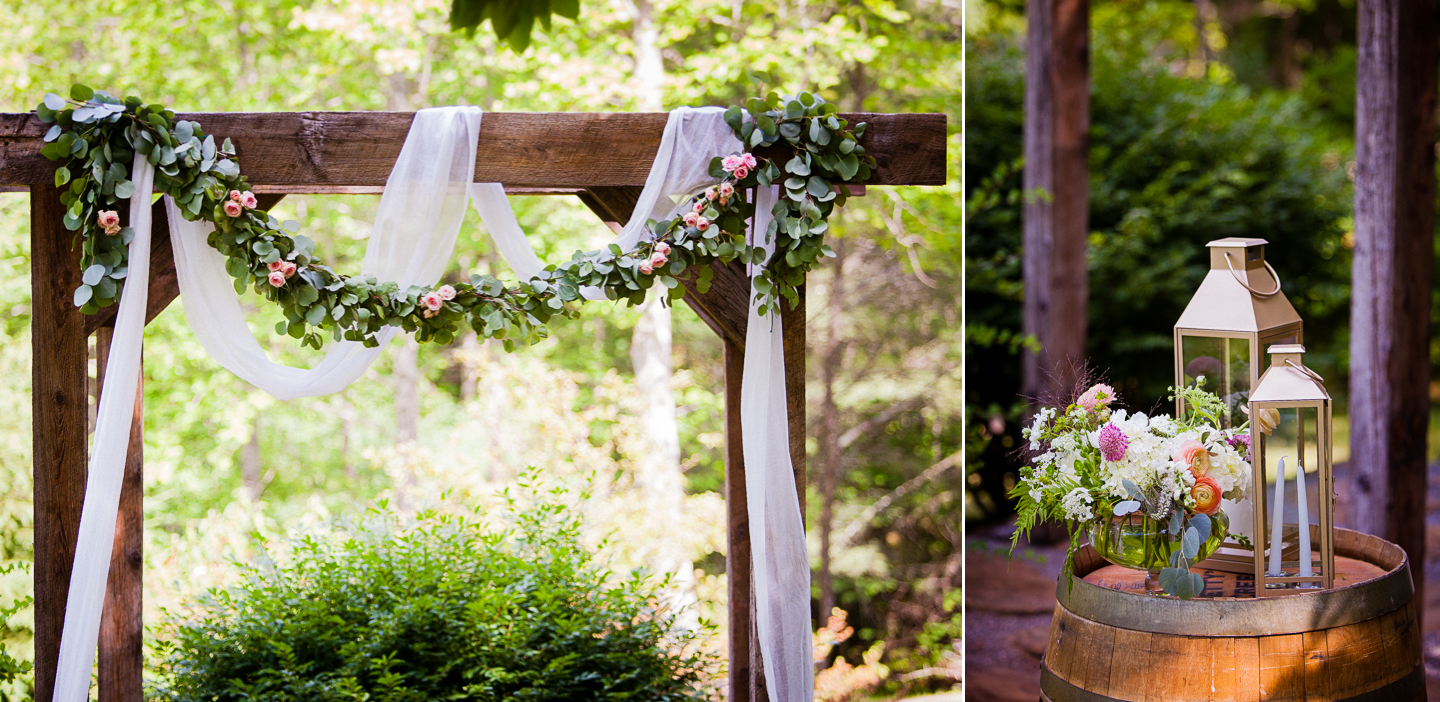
1297	439
1225	364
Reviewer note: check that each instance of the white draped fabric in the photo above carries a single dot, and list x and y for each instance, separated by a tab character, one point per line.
412	241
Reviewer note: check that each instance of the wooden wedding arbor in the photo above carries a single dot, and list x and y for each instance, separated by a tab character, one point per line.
601	158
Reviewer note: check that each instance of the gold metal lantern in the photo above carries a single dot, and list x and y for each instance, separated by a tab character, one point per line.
1290	429
1238	310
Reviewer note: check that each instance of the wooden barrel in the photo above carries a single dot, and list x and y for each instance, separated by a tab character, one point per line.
1358	642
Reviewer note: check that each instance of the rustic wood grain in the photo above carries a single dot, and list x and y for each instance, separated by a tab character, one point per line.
1056	219
60	399
1247	670
122	629
1222	669
300	151
1394	257
1282	668
1129	664
738	572
1317	659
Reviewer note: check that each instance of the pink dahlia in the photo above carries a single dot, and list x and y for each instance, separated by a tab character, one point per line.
1098	396
1113	443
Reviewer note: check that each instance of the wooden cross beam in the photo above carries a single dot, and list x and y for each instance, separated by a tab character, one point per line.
601	158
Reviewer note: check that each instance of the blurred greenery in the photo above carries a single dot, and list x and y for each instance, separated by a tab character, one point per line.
568	405
1181	153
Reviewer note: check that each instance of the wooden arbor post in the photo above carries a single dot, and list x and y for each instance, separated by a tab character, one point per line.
602	158
1394	257
1056	208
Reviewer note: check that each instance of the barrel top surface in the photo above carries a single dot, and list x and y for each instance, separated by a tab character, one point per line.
1220	584
1373	578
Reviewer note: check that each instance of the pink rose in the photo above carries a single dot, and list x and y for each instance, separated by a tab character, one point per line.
731	162
691	218
663	248
432	301
233	208
1194	456
235	196
748	160
646	268
277	265
702	224
108	218
741	172
726	189
657	260
445	292
247	199
699	205
711	194
277	279
288	269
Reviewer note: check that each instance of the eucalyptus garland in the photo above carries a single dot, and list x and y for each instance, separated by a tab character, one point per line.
95	137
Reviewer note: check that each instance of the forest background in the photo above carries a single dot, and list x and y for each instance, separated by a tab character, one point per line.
601	402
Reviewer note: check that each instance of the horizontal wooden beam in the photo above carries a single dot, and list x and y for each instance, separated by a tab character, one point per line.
301	152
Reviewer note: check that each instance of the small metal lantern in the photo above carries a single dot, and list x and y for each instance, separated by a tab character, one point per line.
1238	310
1290	422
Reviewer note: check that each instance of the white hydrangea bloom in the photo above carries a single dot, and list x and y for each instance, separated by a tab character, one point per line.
1077	505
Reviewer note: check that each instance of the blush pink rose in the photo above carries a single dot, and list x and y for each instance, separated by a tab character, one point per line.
699	205
1207	495
748	160
726	190
731	162
235	196
277	279
1194	456
657	260
663	248
646	268
445	292
432	301
108	219
288	269
741	172
691	218
711	194
277	265
702	224
247	199
233	208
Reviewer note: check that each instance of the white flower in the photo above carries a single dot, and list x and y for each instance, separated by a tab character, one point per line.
1077	505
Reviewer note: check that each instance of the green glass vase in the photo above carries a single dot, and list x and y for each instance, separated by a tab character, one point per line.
1139	542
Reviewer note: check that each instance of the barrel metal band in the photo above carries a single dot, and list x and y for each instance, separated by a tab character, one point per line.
1409	687
1266	616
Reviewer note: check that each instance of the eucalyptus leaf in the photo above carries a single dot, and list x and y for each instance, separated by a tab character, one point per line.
93	274
57	103
1126	507
83	295
1202	524
1190	543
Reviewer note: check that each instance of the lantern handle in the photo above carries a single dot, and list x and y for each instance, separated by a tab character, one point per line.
1303	369
1246	285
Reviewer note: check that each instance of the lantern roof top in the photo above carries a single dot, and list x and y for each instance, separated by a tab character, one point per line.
1236	294
1287	379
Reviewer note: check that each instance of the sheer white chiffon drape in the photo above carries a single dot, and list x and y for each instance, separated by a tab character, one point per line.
412	241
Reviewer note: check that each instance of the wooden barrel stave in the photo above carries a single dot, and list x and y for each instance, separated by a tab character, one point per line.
1374	659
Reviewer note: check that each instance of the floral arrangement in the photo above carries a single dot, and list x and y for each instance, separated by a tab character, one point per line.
1098	469
95	137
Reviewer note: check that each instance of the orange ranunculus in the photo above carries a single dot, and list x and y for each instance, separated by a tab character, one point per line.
1207	495
1193	454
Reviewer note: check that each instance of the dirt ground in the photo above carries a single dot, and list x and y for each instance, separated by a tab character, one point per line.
1008	605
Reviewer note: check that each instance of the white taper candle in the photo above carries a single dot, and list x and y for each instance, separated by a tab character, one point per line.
1277	519
1305	570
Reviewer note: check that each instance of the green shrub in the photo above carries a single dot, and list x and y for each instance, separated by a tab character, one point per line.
438	607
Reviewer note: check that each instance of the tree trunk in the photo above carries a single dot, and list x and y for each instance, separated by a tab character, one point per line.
406	375
250	462
1056	216
1390	306
830	448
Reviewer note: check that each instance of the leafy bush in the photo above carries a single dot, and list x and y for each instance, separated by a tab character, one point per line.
16	679
1175	162
430	608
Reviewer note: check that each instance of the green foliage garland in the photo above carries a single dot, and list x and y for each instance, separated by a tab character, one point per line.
95	136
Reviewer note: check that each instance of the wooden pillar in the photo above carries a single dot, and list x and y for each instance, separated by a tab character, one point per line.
792	325
60	401
746	673
122	633
1056	210
1394	257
